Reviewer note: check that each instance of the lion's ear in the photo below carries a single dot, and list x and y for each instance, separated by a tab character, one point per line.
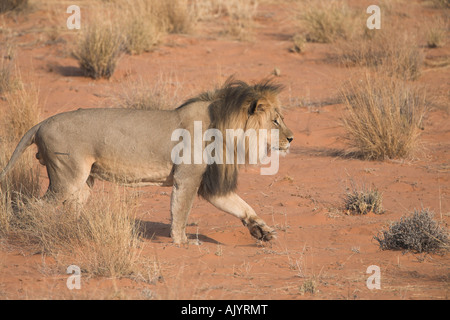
255	106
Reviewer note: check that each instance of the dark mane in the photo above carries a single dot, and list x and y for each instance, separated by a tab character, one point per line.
234	93
229	108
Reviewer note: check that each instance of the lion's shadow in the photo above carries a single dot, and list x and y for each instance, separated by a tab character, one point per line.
160	232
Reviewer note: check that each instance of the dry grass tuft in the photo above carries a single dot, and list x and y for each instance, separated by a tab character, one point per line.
327	21
299	42
23	180
417	232
308	286
99	50
141	25
10	5
177	16
441	4
23	112
240	14
236	15
436	33
140	94
102	238
138	26
361	201
132	27
394	54
383	118
6	82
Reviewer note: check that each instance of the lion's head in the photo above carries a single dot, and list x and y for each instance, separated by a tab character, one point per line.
238	105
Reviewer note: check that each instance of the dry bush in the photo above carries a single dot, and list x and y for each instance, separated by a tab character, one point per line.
137	26
393	53
141	36
363	200
308	286
9	5
23	180
417	232
383	118
237	15
299	42
240	18
99	50
141	25
140	94
441	4
144	21
205	10
436	33
178	16
6	82
102	238
327	21
391	50
21	184
7	79
23	111
133	27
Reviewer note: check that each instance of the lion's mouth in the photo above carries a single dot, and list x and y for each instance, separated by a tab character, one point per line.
281	149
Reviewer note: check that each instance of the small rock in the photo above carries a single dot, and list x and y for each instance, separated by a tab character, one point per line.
277	71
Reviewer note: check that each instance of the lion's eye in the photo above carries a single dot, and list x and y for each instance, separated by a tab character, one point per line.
276	122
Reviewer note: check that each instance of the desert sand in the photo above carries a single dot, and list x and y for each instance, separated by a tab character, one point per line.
318	242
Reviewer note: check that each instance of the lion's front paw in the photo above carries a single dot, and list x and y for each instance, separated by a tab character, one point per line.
260	230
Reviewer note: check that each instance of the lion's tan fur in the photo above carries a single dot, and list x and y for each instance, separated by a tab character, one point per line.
133	147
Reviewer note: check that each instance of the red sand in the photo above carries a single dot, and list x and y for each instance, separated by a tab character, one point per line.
316	240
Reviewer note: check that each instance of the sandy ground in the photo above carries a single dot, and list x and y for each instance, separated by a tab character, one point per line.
316	240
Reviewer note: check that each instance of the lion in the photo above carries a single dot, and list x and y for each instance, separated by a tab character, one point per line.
133	148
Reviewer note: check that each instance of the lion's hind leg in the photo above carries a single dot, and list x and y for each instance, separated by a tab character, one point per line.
234	205
69	184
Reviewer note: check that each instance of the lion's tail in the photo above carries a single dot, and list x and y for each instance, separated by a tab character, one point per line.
26	141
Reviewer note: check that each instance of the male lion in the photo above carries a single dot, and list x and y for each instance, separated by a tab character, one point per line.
133	147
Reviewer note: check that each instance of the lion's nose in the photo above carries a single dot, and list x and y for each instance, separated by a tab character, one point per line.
290	139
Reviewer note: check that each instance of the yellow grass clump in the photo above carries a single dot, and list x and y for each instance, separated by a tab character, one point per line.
23	180
327	21
393	53
383	118
99	50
